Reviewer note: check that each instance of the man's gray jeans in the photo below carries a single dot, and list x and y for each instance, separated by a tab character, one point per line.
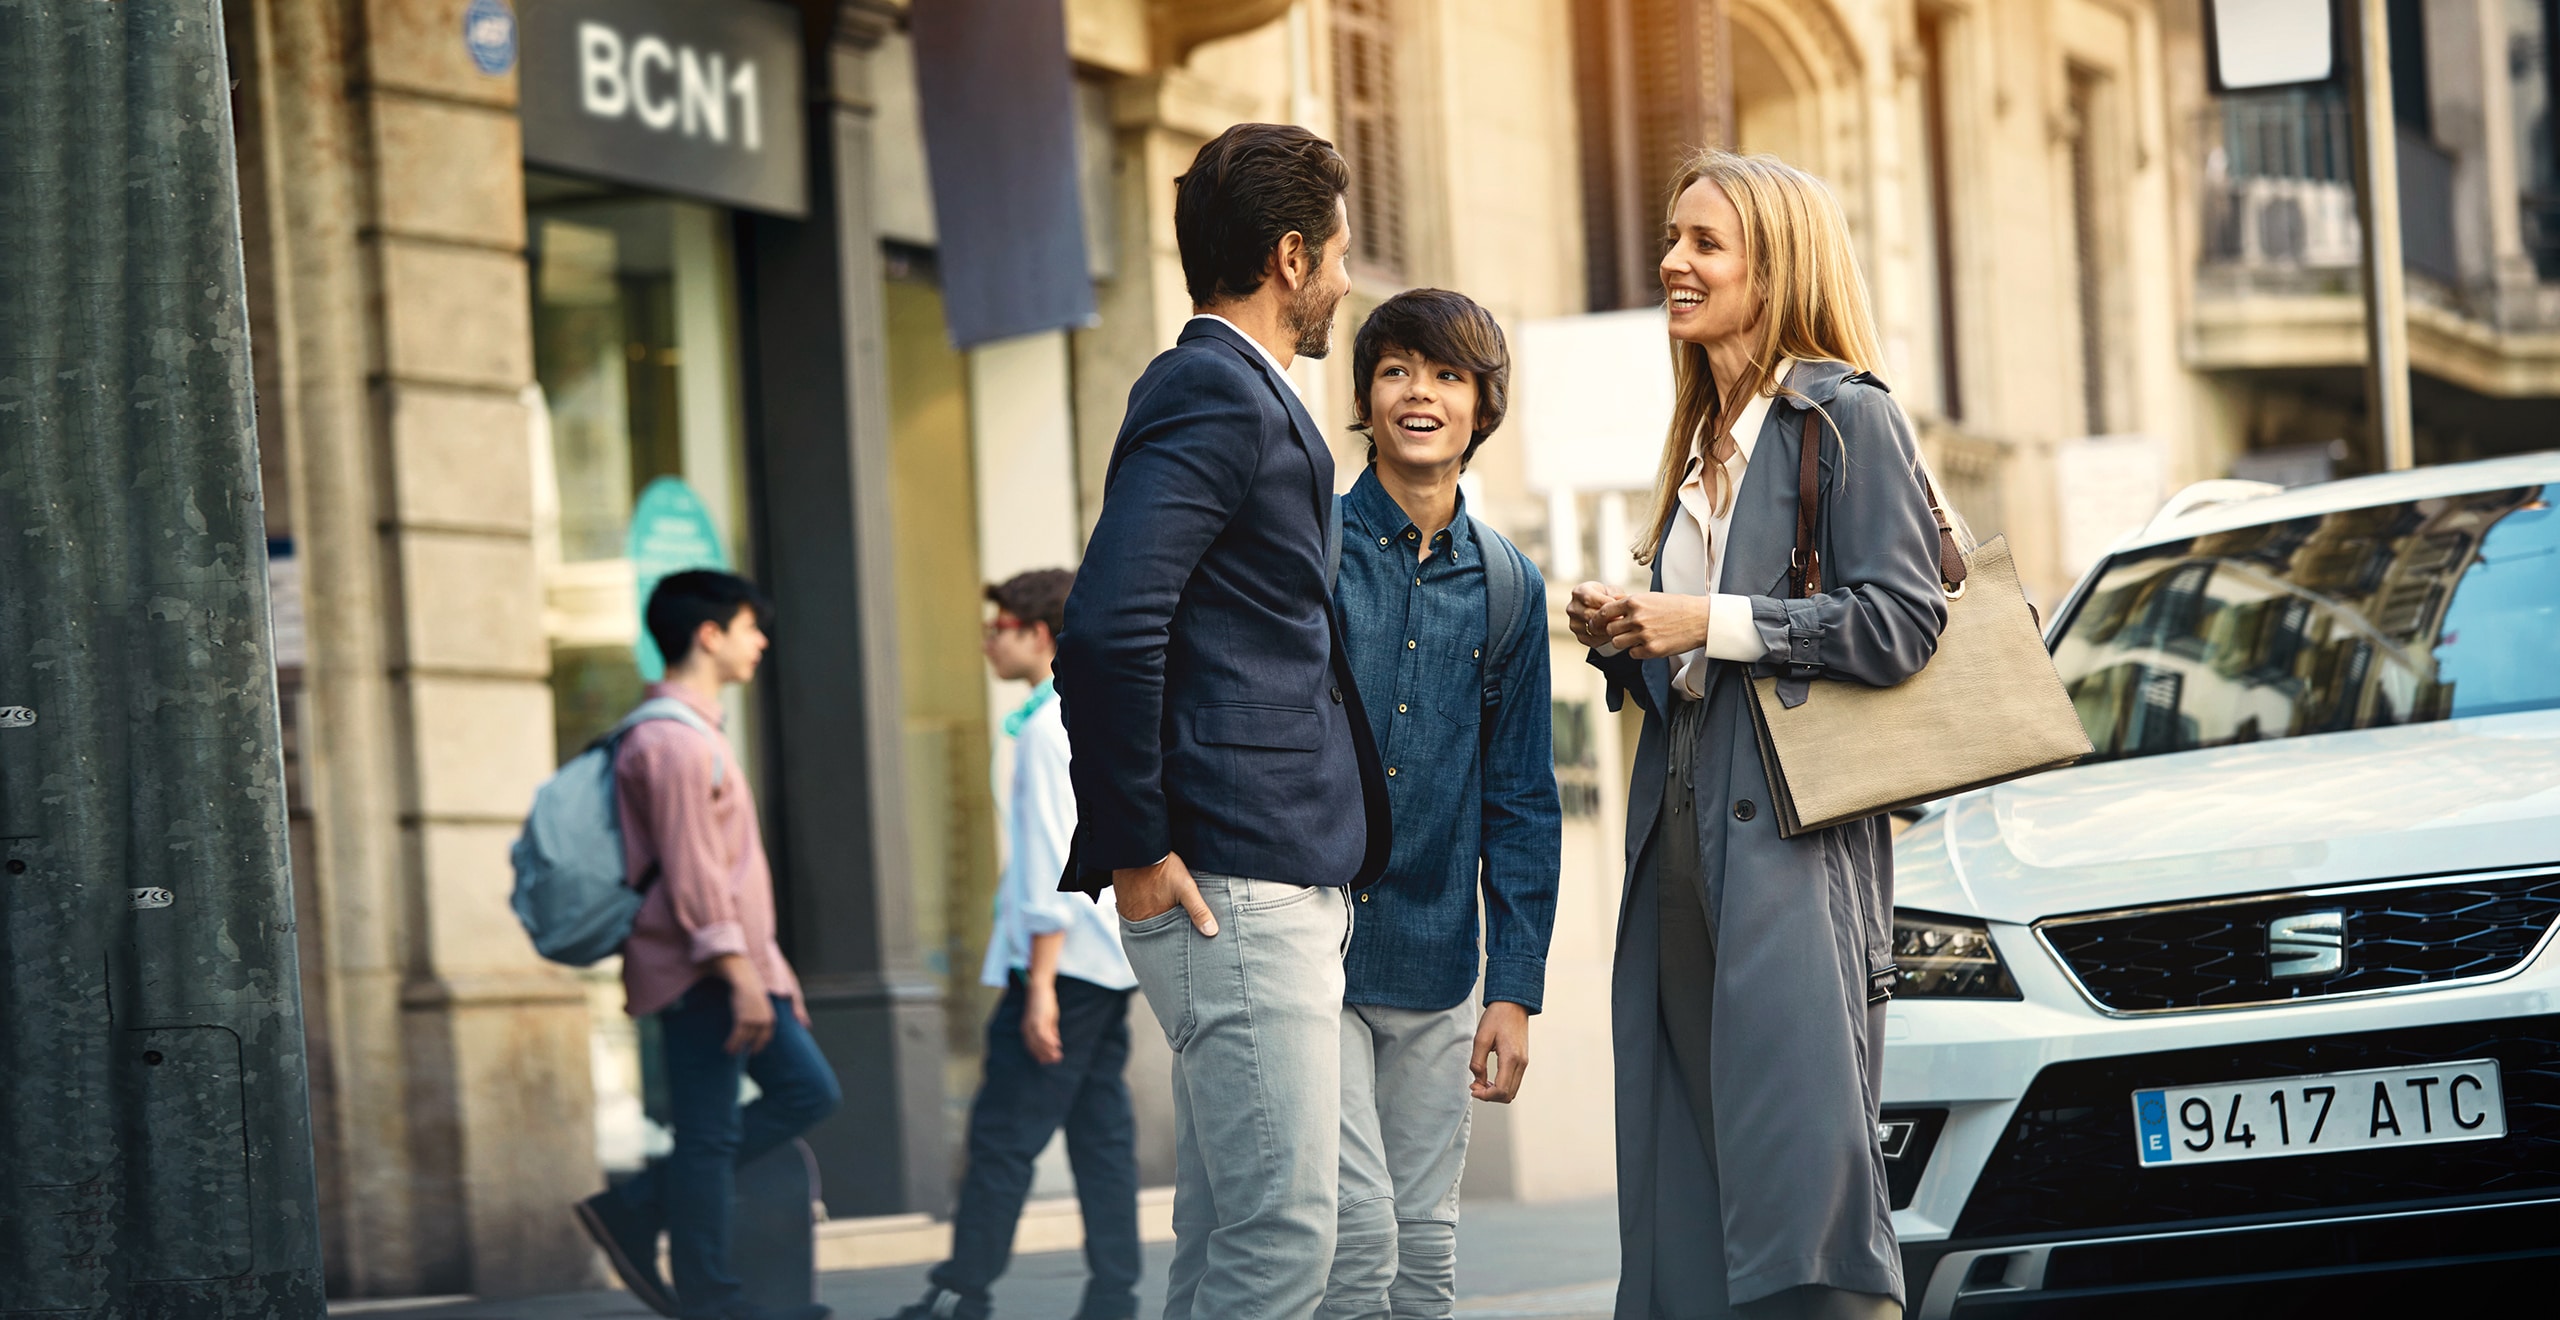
1405	1111
1254	1018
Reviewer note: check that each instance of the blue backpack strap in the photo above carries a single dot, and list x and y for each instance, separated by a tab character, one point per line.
1333	548
1506	606
668	708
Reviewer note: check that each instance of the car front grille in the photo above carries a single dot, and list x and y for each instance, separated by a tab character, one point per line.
2067	1162
2398	936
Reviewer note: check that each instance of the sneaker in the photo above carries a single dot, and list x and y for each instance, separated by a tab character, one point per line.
944	1304
630	1244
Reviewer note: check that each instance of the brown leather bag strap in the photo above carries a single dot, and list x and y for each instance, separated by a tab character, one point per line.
1805	570
1950	556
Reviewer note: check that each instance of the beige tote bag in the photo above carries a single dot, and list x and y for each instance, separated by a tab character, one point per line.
1988	707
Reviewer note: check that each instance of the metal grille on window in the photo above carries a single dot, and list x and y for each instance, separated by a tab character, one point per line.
1365	104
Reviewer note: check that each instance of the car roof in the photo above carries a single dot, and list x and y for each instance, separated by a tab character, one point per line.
2537	469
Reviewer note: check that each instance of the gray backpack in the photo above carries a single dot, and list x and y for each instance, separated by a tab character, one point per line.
571	893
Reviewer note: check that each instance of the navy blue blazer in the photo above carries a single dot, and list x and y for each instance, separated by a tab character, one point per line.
1202	673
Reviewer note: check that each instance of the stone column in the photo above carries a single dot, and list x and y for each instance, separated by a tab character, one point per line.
457	1108
818	415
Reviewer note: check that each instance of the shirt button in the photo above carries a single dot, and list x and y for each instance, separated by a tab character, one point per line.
1408	645
1382	540
1399	708
1413	536
1478	653
1417	582
1743	810
1364	898
1391	772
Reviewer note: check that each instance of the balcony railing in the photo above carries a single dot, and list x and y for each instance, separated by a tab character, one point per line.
2280	201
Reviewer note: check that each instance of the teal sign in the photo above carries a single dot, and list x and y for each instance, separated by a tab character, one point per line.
671	531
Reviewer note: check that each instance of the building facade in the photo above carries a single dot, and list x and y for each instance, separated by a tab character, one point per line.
509	372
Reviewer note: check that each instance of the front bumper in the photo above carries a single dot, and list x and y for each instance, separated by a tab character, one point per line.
2032	1168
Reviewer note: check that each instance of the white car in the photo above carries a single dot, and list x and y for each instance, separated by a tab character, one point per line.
2254	1011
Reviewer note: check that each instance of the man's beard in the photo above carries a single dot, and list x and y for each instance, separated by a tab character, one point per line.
1310	317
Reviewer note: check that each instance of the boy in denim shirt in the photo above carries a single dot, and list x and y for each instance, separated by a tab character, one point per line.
1446	623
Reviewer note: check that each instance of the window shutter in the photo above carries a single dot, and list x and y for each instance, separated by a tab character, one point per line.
1655	82
1364	82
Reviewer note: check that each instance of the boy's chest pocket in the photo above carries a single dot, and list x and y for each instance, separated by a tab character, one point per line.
1456	686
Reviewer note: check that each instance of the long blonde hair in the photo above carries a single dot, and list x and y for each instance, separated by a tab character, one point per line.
1813	305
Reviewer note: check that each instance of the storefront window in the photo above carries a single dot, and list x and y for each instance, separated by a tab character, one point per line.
637	359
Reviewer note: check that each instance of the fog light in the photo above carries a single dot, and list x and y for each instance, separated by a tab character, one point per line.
1938	957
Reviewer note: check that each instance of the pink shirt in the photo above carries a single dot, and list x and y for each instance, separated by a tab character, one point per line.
714	891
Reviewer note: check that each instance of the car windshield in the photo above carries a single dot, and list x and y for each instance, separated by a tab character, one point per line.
2393	614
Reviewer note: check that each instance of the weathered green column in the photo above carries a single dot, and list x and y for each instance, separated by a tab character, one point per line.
155	1141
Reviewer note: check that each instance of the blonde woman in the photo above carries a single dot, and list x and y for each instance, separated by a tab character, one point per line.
1751	969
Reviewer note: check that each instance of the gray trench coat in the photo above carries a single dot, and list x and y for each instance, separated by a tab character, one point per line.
1802	927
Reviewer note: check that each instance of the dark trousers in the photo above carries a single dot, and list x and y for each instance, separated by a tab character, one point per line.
694	1189
1019	1107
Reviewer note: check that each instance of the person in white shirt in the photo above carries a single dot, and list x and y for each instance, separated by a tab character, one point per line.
1058	1042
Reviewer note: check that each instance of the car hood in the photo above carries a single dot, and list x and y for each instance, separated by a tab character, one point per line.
2422	799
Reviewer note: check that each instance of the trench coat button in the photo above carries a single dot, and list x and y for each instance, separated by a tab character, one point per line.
1337	696
1743	810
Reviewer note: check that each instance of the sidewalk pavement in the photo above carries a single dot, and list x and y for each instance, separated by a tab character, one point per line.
1515	1262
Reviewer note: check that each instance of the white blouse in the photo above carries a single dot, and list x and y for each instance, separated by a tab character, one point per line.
1693	555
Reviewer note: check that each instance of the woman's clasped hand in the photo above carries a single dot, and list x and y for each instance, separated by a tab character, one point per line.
1645	624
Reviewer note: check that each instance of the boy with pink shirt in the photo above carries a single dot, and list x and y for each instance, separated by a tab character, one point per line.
702	959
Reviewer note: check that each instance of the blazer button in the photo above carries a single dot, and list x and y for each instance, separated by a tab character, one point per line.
1337	696
1743	810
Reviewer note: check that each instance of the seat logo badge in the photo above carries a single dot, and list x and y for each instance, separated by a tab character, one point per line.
2307	944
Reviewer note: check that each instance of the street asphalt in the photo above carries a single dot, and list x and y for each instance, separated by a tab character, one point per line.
1515	1262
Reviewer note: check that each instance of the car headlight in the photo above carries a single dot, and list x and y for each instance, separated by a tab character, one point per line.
1937	957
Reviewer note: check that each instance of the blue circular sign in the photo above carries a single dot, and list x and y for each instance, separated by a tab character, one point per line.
489	33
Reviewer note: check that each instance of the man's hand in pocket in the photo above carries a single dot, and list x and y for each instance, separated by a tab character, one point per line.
1149	891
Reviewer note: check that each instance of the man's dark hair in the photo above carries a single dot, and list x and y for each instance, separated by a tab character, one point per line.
682	602
1039	596
1444	327
1249	187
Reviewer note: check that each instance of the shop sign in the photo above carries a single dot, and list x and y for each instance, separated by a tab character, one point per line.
671	531
677	95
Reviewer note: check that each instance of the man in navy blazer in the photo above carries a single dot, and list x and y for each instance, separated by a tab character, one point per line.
1227	792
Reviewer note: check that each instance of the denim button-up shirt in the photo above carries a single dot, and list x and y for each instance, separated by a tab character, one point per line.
1471	802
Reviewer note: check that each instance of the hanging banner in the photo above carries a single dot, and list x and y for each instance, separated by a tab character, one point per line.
999	105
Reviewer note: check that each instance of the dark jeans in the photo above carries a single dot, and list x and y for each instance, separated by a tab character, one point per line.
1019	1107
694	1189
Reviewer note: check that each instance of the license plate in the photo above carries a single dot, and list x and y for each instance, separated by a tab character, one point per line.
2326	1112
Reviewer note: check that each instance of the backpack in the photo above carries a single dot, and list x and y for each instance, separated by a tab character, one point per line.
1506	599
571	894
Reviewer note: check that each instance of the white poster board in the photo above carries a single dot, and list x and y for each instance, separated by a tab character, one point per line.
1591	398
